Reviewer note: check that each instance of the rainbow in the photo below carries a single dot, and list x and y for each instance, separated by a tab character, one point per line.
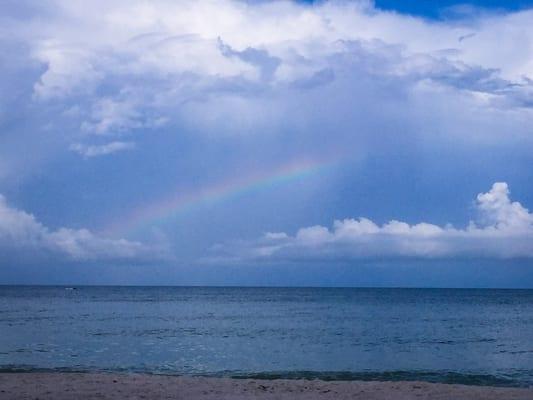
171	207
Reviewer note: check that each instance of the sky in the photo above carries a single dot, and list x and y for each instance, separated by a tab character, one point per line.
326	143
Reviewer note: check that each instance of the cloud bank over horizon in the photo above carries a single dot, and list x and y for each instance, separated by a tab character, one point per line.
504	229
22	237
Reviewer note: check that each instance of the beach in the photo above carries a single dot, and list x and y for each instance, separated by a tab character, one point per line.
82	386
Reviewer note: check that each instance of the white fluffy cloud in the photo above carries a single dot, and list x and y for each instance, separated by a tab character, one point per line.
21	235
504	230
103	149
140	64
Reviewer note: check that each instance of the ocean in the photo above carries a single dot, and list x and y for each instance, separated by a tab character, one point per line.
466	336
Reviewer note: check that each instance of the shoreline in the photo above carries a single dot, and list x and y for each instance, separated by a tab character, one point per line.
88	385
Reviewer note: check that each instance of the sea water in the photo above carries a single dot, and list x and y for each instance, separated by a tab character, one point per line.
444	335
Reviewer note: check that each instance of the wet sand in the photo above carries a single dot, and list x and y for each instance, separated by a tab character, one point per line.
83	386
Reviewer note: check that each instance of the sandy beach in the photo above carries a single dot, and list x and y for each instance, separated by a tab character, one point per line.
83	386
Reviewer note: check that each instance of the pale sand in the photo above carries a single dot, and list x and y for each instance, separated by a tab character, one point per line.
59	386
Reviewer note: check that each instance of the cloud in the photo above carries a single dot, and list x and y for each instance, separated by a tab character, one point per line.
504	230
101	150
121	69
136	61
23	237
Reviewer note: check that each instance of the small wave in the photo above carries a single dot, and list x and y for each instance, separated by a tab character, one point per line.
426	376
25	368
524	380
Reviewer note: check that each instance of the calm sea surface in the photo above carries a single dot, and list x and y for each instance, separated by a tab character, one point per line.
466	336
